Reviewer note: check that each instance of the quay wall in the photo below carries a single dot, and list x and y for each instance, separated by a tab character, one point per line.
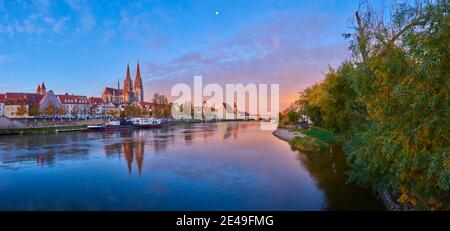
26	126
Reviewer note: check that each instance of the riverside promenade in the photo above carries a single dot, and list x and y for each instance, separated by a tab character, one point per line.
33	126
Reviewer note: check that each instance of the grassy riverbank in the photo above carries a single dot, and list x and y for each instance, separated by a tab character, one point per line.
312	140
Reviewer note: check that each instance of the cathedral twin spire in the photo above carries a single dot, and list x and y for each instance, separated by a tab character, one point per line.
130	93
138	86
41	89
133	93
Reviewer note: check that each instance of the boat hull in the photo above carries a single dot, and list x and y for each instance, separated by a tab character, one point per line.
148	126
110	128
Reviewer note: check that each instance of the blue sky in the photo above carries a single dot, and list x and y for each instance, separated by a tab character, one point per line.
81	46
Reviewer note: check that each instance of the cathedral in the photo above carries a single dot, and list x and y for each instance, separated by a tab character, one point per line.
129	94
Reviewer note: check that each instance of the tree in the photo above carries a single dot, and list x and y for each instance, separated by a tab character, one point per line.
161	106
159	99
112	112
391	103
35	110
132	110
22	110
293	116
50	110
74	111
63	111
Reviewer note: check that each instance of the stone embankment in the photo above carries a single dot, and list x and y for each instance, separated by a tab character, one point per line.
26	126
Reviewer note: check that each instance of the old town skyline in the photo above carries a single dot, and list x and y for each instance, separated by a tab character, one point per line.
70	43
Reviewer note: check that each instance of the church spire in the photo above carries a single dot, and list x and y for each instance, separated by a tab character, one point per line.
38	91
43	89
128	86
128	72
138	86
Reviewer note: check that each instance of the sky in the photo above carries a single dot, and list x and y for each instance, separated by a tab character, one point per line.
80	46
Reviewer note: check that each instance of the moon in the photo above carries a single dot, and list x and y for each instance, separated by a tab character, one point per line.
217	12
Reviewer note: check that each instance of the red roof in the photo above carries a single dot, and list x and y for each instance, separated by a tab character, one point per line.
15	101
73	99
21	98
2	98
95	101
112	91
18	95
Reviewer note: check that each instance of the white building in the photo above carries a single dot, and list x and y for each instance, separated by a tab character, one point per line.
106	109
76	106
2	106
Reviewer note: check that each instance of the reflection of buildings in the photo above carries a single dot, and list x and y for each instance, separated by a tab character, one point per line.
226	130
131	150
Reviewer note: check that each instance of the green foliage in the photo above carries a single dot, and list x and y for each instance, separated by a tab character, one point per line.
293	116
312	140
308	144
392	103
334	104
131	110
320	134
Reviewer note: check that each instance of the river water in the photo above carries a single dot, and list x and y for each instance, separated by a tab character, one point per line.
214	166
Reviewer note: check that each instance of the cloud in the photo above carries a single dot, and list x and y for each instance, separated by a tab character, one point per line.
87	20
27	26
280	49
8	30
29	23
4	58
59	25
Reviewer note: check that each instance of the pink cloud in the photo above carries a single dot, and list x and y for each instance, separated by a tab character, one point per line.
286	51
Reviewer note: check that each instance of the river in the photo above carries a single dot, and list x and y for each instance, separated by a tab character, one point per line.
213	166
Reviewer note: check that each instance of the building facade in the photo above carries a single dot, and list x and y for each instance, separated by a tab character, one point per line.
130	93
16	108
76	106
2	104
50	104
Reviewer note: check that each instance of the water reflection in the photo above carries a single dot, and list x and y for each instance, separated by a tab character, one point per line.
131	151
329	169
213	166
42	149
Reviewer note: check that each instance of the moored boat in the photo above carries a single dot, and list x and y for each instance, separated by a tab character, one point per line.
111	126
145	123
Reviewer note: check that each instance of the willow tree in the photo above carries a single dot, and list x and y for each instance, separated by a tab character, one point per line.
402	78
391	100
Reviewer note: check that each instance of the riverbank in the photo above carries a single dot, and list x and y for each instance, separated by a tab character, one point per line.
44	126
75	163
313	140
290	135
42	130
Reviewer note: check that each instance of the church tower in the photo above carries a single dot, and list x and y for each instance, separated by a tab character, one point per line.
38	91
43	89
128	87
138	86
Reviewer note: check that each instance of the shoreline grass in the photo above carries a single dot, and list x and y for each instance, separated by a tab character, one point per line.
312	140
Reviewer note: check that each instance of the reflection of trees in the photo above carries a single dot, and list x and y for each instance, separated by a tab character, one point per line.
328	169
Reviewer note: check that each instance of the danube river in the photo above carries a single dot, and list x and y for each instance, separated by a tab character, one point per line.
214	166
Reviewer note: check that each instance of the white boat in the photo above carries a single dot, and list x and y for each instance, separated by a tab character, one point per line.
143	122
